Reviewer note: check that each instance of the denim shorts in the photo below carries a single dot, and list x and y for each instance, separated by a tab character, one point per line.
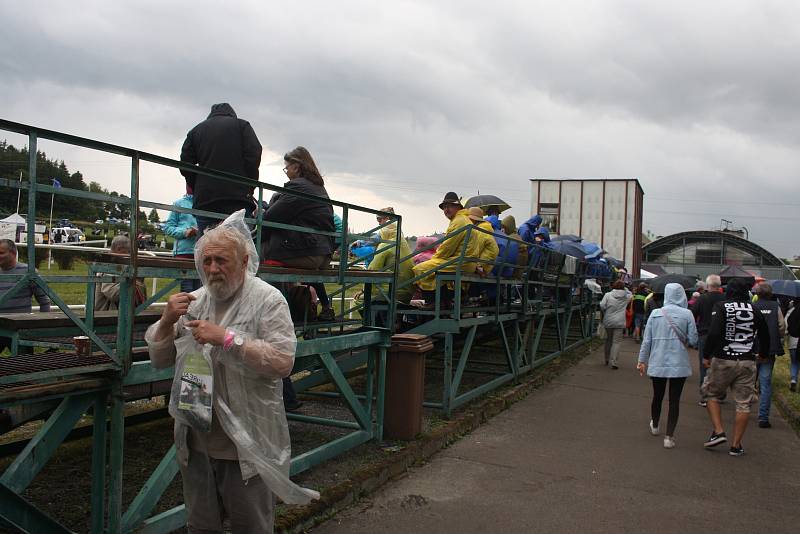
738	375
638	320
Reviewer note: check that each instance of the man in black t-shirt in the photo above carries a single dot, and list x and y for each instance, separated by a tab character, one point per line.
730	355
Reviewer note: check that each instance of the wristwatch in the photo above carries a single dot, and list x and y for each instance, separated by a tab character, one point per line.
232	339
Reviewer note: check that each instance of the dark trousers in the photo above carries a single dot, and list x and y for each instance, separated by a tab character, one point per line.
320	263
675	390
188	284
205	222
289	394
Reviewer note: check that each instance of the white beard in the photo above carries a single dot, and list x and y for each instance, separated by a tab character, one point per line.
222	290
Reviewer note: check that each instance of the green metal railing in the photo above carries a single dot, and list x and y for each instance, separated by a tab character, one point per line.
543	306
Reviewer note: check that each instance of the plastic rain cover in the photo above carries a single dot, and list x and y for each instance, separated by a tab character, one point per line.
252	415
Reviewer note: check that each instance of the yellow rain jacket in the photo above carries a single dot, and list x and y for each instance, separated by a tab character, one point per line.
384	261
486	245
449	249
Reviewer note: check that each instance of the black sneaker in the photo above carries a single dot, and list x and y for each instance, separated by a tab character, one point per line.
715	439
327	315
614	367
793	386
702	403
764	424
736	451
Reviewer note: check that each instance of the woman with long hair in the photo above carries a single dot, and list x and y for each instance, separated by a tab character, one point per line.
302	250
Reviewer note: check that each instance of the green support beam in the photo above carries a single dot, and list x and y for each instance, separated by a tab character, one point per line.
40	449
147	499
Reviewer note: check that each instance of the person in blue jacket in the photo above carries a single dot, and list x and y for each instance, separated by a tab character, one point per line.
183	227
670	331
508	257
528	228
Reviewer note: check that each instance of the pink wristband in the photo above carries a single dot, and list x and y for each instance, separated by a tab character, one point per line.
228	340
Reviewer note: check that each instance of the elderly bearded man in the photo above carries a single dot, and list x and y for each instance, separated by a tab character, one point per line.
241	326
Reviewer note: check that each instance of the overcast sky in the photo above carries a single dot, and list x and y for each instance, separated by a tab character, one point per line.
400	102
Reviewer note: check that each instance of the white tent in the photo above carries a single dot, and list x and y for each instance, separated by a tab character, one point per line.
14	218
646	275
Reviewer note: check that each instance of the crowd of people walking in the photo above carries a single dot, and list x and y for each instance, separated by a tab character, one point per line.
738	331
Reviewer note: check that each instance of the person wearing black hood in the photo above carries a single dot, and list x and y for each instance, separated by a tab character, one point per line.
771	310
730	353
227	143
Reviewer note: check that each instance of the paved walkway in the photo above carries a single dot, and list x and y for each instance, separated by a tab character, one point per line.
577	456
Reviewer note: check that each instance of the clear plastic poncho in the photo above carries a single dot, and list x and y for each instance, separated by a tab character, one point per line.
249	406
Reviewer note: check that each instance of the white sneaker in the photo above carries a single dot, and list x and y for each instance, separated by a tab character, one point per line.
653	429
669	442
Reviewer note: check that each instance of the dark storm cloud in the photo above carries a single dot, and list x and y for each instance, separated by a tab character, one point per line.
410	99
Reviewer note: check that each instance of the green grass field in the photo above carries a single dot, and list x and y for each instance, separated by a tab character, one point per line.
75	293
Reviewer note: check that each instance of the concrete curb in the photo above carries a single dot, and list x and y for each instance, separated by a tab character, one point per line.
789	413
368	479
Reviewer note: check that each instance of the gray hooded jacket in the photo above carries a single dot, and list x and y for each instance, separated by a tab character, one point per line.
613	306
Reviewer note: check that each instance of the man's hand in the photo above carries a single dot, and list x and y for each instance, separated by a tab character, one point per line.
207	332
762	359
706	363
642	367
177	305
190	232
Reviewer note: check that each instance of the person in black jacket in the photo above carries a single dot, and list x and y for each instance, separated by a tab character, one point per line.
292	248
702	309
225	143
773	315
730	353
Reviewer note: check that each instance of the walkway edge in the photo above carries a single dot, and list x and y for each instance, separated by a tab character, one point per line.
789	413
366	480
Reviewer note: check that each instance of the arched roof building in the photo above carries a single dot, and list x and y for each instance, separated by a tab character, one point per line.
708	251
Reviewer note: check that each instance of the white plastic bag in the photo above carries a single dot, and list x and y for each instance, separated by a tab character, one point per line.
601	330
191	396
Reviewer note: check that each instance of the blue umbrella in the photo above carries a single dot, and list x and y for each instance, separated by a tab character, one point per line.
567	237
592	250
787	288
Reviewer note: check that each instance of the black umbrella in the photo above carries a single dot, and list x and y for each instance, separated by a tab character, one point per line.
570	248
734	271
614	262
658	283
485	202
787	288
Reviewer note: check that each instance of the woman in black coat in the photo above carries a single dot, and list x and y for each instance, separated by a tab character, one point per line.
290	248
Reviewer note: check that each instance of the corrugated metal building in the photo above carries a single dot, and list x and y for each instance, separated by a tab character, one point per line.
608	212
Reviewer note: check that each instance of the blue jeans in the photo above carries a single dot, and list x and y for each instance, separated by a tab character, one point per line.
795	365
765	388
701	343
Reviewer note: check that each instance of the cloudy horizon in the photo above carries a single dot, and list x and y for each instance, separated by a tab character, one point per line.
402	102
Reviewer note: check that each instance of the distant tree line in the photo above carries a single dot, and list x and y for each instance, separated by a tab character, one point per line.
14	163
